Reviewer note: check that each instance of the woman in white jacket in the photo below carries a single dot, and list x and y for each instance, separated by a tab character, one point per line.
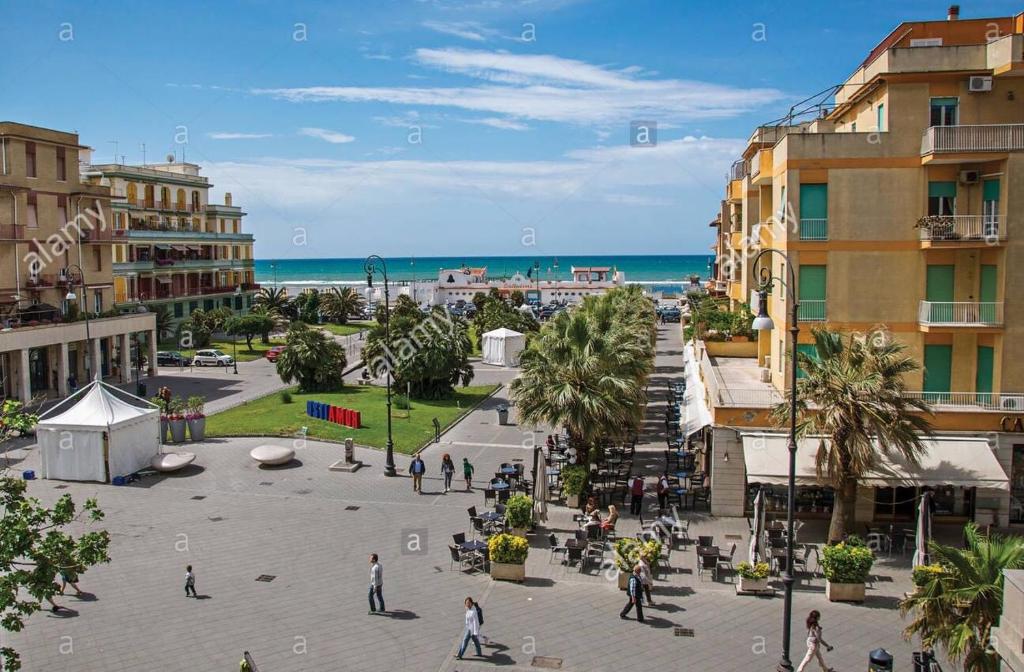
472	629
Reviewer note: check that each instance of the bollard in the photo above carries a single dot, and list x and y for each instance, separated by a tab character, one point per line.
350	451
880	660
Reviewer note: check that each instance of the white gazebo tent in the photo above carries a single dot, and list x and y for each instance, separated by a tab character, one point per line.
502	347
98	433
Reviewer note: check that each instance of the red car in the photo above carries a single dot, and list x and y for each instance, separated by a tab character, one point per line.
274	352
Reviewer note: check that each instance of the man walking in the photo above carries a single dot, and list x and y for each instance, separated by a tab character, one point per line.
416	469
633	590
636	491
376	584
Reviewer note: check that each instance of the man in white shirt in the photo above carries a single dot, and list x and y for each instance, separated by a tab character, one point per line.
376	584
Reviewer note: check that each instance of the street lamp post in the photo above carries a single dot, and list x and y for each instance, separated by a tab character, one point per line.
375	264
76	276
763	322
234	337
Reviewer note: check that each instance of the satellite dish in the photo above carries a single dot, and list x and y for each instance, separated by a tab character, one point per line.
170	158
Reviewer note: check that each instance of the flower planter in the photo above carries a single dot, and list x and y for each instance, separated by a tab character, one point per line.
572	501
177	430
752	585
508	572
164	426
197	428
844	592
520	531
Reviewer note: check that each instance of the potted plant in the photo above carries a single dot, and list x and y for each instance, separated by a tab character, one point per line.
846	566
158	401
574	479
519	514
195	418
753	578
176	420
629	550
507	554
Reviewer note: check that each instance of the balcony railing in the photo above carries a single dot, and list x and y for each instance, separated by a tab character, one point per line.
960	313
989	138
755	164
811	310
963	228
738	170
164	205
96	235
972	401
40	281
814	229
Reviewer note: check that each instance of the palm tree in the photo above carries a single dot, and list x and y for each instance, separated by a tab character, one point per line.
272	298
587	371
957	607
337	304
163	320
857	389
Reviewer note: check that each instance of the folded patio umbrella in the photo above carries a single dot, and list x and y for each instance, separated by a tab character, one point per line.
924	529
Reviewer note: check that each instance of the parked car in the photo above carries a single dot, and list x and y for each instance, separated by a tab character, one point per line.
172	358
212	358
274	352
671	315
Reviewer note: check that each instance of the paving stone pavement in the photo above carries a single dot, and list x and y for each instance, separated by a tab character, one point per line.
297	524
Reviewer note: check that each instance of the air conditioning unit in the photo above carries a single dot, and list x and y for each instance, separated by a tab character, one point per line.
970	176
979	83
1011	402
768	362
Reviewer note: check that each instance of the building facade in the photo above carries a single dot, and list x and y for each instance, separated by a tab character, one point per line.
171	246
58	323
900	205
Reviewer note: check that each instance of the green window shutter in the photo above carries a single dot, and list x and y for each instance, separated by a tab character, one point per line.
813	201
942	189
881	117
983	377
939	283
990	190
809	350
938	368
812	283
987	286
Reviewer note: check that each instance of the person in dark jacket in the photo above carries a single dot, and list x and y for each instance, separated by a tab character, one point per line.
417	469
634	589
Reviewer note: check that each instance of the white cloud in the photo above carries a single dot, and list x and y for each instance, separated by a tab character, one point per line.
495	122
223	135
333	137
467	30
550	88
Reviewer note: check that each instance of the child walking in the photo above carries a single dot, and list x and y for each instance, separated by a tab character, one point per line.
467	473
190	582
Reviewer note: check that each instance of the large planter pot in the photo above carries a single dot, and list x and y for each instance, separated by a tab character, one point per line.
520	531
177	430
197	428
752	585
844	592
508	572
164	426
572	501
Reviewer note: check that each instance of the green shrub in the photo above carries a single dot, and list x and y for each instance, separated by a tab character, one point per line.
629	549
754	572
923	574
286	397
519	512
574	478
508	548
847	562
402	402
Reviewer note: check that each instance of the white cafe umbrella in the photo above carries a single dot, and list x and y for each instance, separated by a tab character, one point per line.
540	491
924	529
758	531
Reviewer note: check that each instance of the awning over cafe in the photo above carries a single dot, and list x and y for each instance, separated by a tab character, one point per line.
948	460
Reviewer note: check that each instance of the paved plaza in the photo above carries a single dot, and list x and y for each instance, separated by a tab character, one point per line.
312	529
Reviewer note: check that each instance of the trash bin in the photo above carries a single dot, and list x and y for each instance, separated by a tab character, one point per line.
880	660
923	661
350	451
140	390
502	415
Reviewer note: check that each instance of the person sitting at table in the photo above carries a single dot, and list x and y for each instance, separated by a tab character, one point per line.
551	443
593	519
609	522
590	507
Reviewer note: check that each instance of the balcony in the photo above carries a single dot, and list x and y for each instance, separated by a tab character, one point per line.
960	313
811	310
1000	402
739	170
987	229
42	281
172	206
736	382
972	139
814	229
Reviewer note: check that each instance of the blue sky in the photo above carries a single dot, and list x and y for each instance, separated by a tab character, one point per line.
435	127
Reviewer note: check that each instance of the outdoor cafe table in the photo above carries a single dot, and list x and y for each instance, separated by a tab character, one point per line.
499	485
470	546
559	457
508	470
491	516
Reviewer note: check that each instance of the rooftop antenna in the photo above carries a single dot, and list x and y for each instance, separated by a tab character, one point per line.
114	142
143	146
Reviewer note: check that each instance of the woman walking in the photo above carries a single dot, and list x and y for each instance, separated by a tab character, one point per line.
447	470
467	473
814	643
472	629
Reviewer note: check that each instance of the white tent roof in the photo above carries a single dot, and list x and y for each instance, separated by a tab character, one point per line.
502	333
98	406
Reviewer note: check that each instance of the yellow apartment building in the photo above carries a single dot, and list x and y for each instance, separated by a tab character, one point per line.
900	205
172	246
56	269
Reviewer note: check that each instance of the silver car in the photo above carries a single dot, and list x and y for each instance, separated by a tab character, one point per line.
211	358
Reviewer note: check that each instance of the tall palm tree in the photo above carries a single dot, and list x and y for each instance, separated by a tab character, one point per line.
957	607
852	397
273	299
163	320
337	304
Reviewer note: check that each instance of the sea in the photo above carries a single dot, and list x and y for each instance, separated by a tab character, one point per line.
658	273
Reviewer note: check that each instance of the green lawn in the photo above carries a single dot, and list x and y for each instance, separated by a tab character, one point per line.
259	350
269	416
346	329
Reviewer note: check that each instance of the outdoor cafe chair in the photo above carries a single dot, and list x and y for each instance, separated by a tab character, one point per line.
499	508
726	560
503	495
459	538
471	511
489	496
478	525
556	549
574	554
708	562
465	559
703	540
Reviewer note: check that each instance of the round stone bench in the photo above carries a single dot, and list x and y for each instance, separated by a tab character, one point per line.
269	454
172	461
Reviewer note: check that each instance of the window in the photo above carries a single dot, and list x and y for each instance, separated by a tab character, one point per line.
179	309
811	292
97	257
33	220
881	116
132	192
942	199
990	207
97	302
165	197
813	212
944	111
193	306
149	195
853	127
180	198
195	201
30	159
62	210
62	168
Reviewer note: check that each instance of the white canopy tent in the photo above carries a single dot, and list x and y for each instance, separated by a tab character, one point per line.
98	433
502	347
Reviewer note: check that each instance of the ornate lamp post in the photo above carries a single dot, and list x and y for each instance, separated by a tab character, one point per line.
76	276
234	338
375	264
763	322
